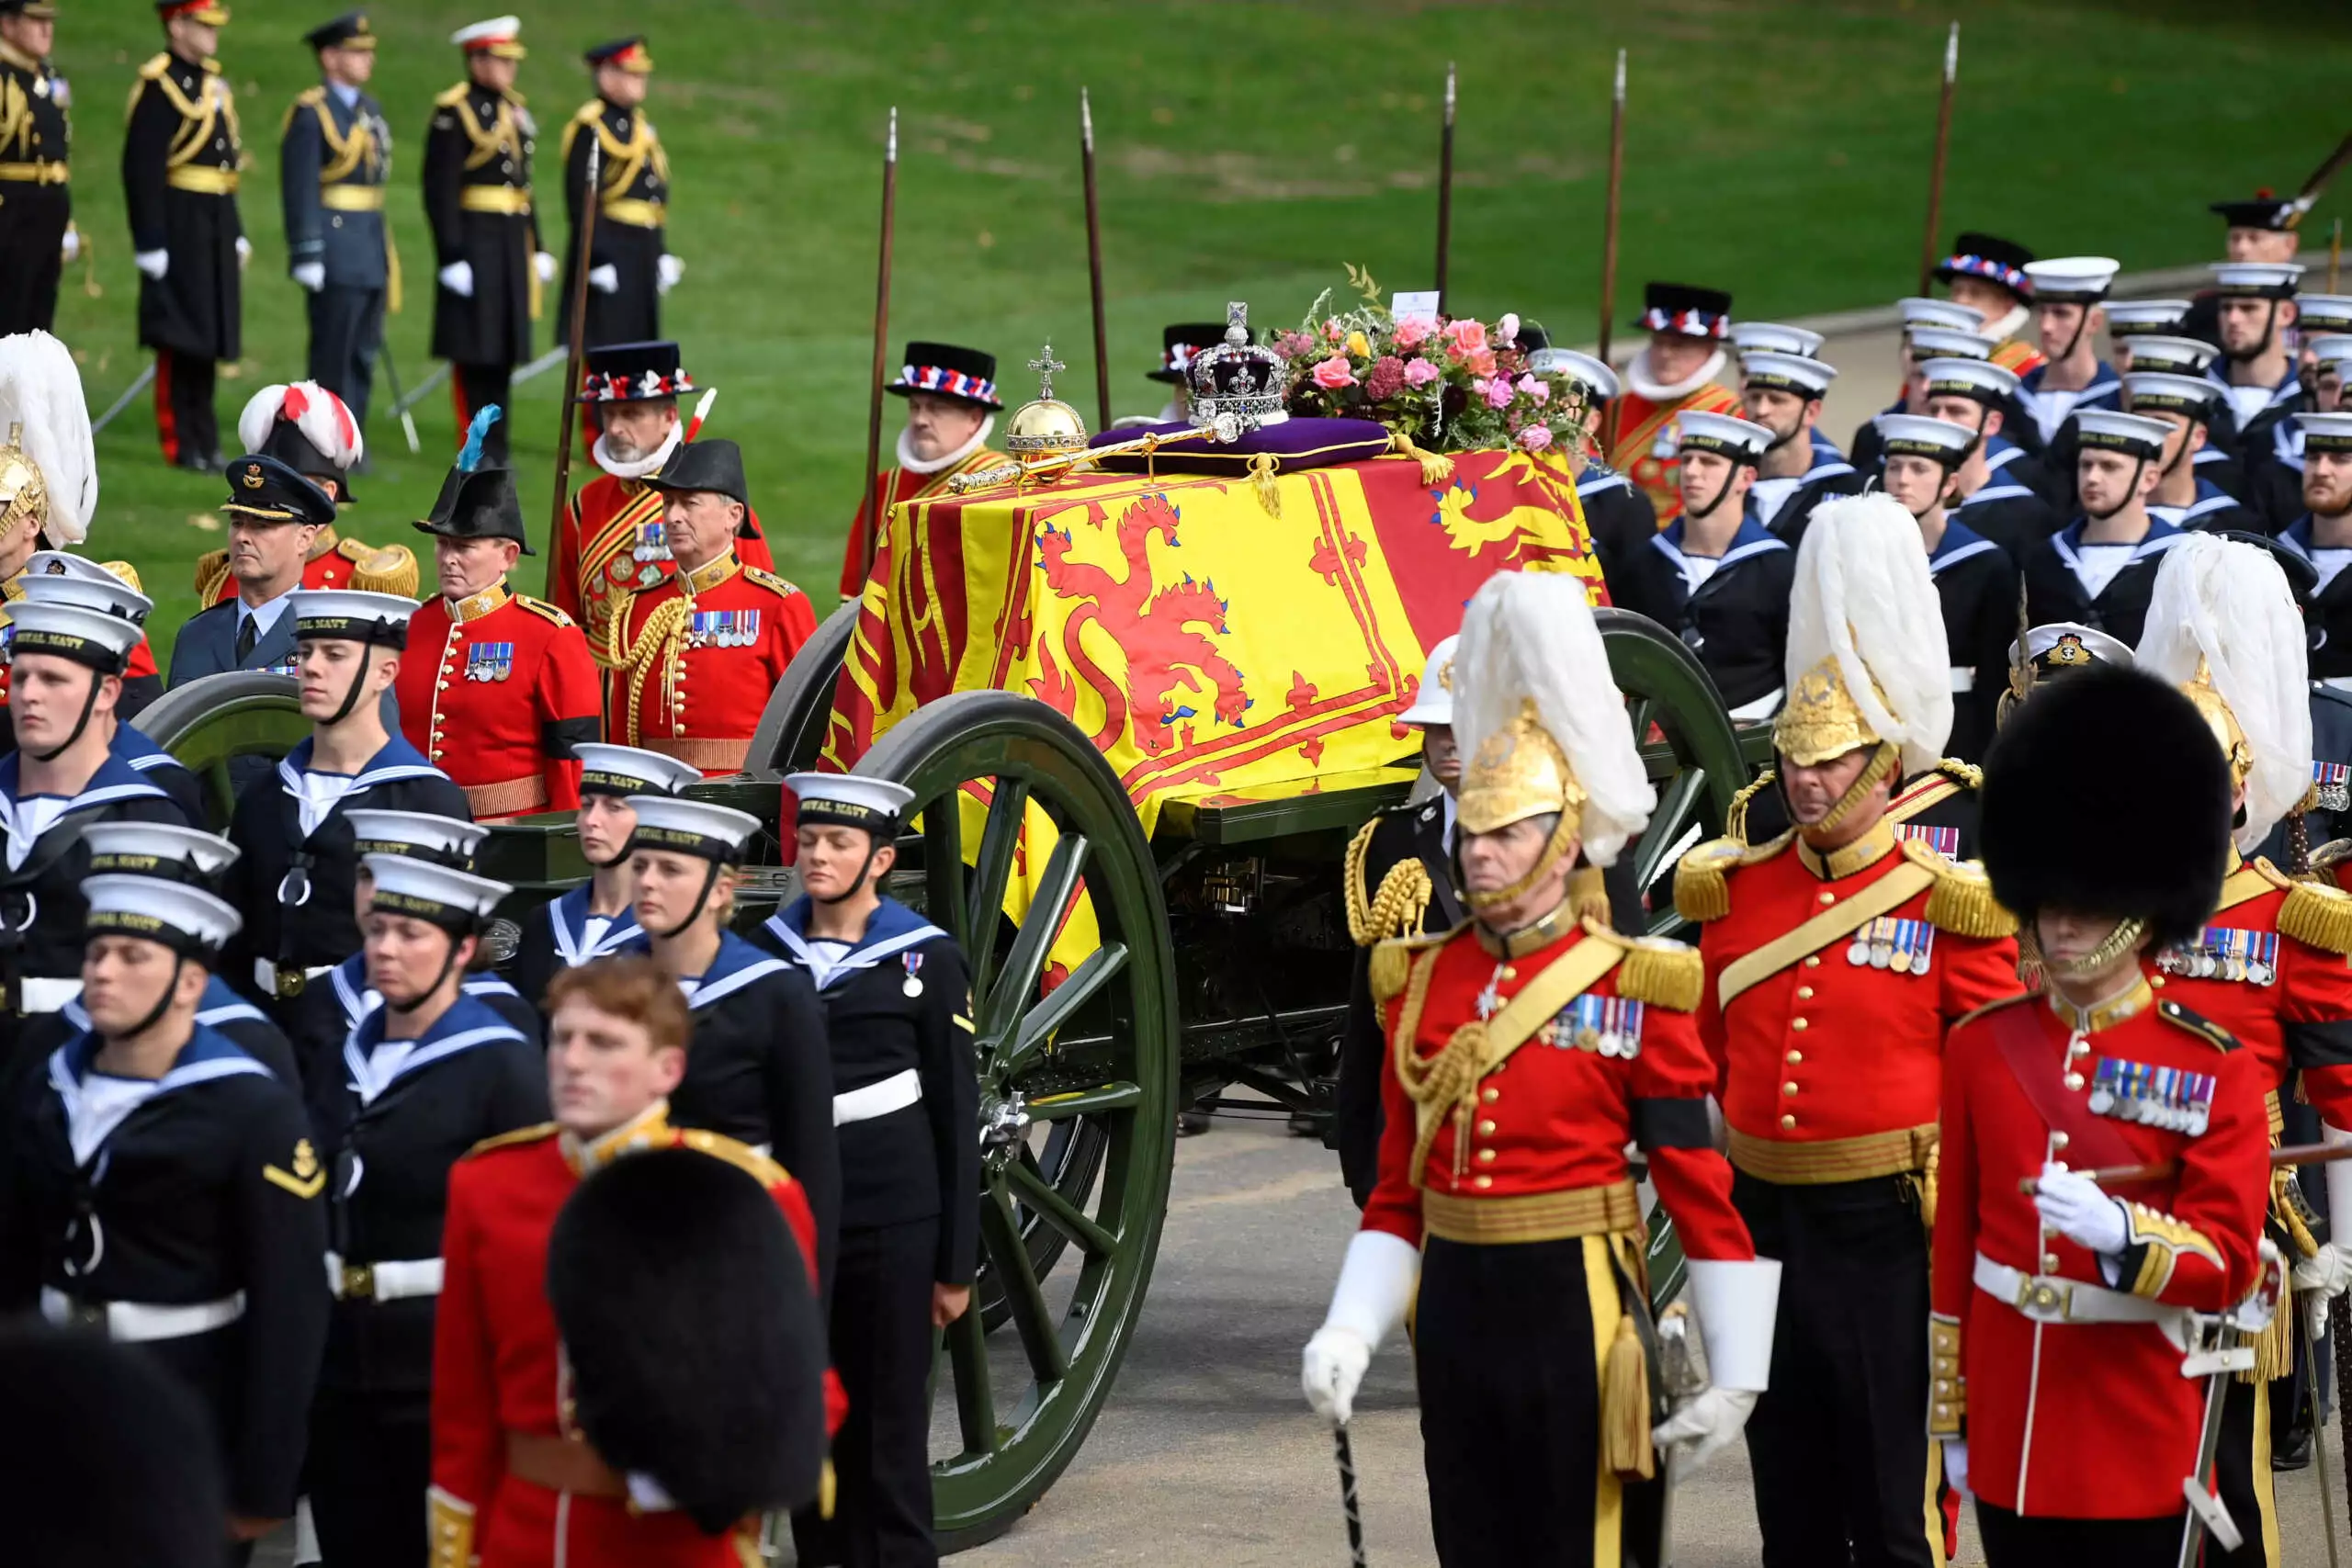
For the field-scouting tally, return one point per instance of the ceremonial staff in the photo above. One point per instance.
(2291, 1156)
(2308, 198)
(1349, 1506)
(873, 490)
(1609, 236)
(577, 363)
(1094, 264)
(1929, 252)
(1445, 190)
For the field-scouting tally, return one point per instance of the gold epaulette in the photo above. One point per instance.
(1700, 891)
(2034, 994)
(122, 572)
(1937, 785)
(211, 574)
(742, 1156)
(391, 569)
(1403, 898)
(2204, 1028)
(542, 609)
(532, 1135)
(308, 98)
(1392, 960)
(2327, 861)
(454, 96)
(1654, 970)
(2317, 914)
(1961, 901)
(1736, 820)
(771, 582)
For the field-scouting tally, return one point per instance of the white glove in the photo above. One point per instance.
(1956, 1465)
(1375, 1284)
(311, 275)
(2073, 1205)
(1706, 1424)
(605, 279)
(155, 264)
(458, 277)
(245, 252)
(2327, 1275)
(70, 250)
(1332, 1370)
(547, 267)
(667, 271)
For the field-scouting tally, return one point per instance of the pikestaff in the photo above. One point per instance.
(876, 491)
(1094, 264)
(1929, 252)
(576, 362)
(1445, 189)
(2308, 198)
(1609, 236)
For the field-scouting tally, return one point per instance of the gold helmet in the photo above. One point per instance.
(23, 492)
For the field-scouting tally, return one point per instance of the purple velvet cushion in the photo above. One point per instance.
(1295, 444)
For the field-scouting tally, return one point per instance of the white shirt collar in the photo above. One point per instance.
(265, 615)
(914, 465)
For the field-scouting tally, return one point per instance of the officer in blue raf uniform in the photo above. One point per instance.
(898, 1014)
(335, 159)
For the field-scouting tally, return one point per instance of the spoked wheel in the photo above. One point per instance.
(1066, 1155)
(791, 730)
(1097, 1053)
(244, 712)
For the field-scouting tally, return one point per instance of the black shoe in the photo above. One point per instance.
(196, 463)
(2292, 1449)
(1192, 1124)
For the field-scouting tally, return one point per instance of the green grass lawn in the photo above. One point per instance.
(1248, 148)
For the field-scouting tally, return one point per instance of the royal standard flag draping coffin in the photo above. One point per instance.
(1204, 642)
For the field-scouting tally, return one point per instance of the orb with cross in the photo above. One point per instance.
(1045, 426)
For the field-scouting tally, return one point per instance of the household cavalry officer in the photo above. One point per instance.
(898, 1015)
(491, 265)
(1529, 1050)
(630, 266)
(2100, 569)
(497, 687)
(1616, 512)
(596, 918)
(1837, 956)
(1674, 374)
(180, 157)
(951, 406)
(312, 430)
(2269, 962)
(2061, 1319)
(37, 232)
(334, 163)
(422, 1080)
(297, 868)
(1398, 882)
(1991, 495)
(695, 658)
(1783, 392)
(162, 1188)
(2185, 496)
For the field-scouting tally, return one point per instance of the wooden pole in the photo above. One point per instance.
(875, 491)
(1609, 239)
(2334, 255)
(1446, 191)
(574, 363)
(1094, 264)
(2291, 1156)
(1930, 252)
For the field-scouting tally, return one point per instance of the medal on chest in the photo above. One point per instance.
(490, 660)
(2332, 783)
(724, 628)
(1945, 841)
(2224, 953)
(650, 549)
(1668, 440)
(2171, 1098)
(1904, 946)
(1606, 1026)
(914, 962)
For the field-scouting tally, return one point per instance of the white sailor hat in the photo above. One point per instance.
(2166, 394)
(2325, 432)
(691, 828)
(2256, 280)
(446, 840)
(71, 631)
(1950, 343)
(1726, 436)
(1982, 380)
(2057, 646)
(2331, 351)
(501, 36)
(2073, 280)
(346, 614)
(1581, 369)
(64, 578)
(1786, 373)
(1433, 700)
(1772, 337)
(1951, 314)
(2323, 312)
(2130, 318)
(162, 849)
(457, 900)
(849, 800)
(2173, 355)
(607, 769)
(2108, 430)
(191, 922)
(1916, 435)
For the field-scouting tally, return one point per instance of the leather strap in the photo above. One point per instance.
(2092, 1141)
(1906, 882)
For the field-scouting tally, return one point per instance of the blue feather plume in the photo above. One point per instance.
(470, 458)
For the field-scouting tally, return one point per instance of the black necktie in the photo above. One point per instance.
(247, 624)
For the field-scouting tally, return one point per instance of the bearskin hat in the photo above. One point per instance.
(2106, 794)
(696, 1347)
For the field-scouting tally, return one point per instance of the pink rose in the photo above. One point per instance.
(1420, 373)
(1481, 362)
(1464, 338)
(1331, 329)
(1497, 393)
(1535, 389)
(1535, 437)
(1412, 332)
(1333, 373)
(1508, 328)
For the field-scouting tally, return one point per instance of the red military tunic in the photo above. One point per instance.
(1828, 1058)
(333, 562)
(903, 485)
(2066, 1418)
(492, 688)
(695, 658)
(498, 1378)
(610, 545)
(1647, 439)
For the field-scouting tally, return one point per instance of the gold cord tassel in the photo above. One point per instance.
(1625, 1406)
(1588, 894)
(1961, 901)
(2319, 915)
(1667, 976)
(1736, 820)
(1263, 468)
(1391, 961)
(1436, 468)
(664, 630)
(1701, 892)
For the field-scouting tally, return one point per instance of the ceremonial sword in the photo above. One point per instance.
(1347, 1503)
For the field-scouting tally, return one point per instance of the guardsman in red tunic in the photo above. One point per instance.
(312, 430)
(515, 1483)
(1838, 957)
(1528, 1049)
(2061, 1318)
(951, 408)
(497, 687)
(695, 658)
(1674, 373)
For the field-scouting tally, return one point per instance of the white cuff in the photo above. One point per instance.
(1737, 1303)
(1375, 1285)
(2339, 1189)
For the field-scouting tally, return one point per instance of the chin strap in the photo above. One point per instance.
(857, 883)
(2178, 457)
(2123, 939)
(1702, 513)
(2130, 490)
(89, 701)
(163, 1003)
(1881, 767)
(351, 697)
(1562, 834)
(2073, 343)
(448, 961)
(2269, 332)
(709, 881)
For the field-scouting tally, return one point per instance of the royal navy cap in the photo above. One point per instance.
(2166, 394)
(431, 891)
(1979, 379)
(348, 614)
(2323, 312)
(1599, 381)
(1918, 310)
(157, 848)
(691, 827)
(2325, 432)
(93, 637)
(2130, 318)
(1743, 441)
(850, 800)
(52, 577)
(2331, 351)
(418, 834)
(1916, 435)
(501, 36)
(2066, 646)
(1948, 342)
(2073, 280)
(1786, 373)
(182, 916)
(607, 769)
(2256, 280)
(1434, 699)
(2112, 431)
(2173, 355)
(1772, 337)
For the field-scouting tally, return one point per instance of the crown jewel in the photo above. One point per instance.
(1236, 386)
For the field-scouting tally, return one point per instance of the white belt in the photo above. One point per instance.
(2047, 1300)
(894, 1093)
(37, 994)
(266, 975)
(132, 1322)
(383, 1281)
(1963, 678)
(1762, 707)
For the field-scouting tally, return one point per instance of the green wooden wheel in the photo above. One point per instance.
(244, 712)
(791, 730)
(1097, 1053)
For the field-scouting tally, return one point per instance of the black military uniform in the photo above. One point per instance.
(1824, 481)
(1617, 514)
(180, 155)
(478, 197)
(1735, 620)
(633, 196)
(2004, 510)
(334, 160)
(898, 1012)
(391, 1120)
(36, 195)
(2106, 587)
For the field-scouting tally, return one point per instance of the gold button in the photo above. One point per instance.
(2049, 1262)
(1812, 963)
(1829, 897)
(1510, 973)
(441, 687)
(1804, 993)
(2079, 1048)
(1790, 1089)
(1799, 1023)
(1482, 1182)
(1788, 1124)
(1485, 1129)
(1486, 1157)
(2059, 1140)
(1795, 1056)
(2073, 1080)
(1491, 1095)
(1943, 1385)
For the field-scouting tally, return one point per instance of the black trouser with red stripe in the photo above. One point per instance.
(474, 387)
(185, 421)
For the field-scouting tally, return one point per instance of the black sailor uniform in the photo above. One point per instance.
(561, 934)
(1733, 615)
(2059, 578)
(1977, 586)
(320, 1019)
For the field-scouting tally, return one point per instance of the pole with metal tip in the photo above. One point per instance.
(875, 493)
(1349, 1505)
(1609, 238)
(2319, 1428)
(145, 378)
(1094, 264)
(576, 360)
(1929, 252)
(399, 401)
(1445, 190)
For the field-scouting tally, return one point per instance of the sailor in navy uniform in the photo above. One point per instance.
(2100, 569)
(1783, 392)
(160, 1185)
(2184, 497)
(2128, 321)
(1975, 583)
(595, 918)
(2217, 462)
(295, 879)
(1716, 577)
(899, 1010)
(1931, 329)
(2067, 294)
(1989, 496)
(758, 1072)
(422, 1080)
(2260, 376)
(1617, 515)
(54, 577)
(2322, 539)
(1800, 343)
